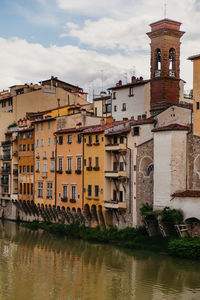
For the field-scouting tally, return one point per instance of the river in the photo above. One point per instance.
(35, 265)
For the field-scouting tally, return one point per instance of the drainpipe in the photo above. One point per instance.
(55, 195)
(83, 159)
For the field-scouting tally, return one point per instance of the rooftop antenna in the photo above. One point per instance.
(165, 9)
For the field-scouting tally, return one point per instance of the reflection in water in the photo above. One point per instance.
(37, 266)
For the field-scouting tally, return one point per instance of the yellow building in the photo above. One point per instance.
(26, 164)
(69, 168)
(196, 93)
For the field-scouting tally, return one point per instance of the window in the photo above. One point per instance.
(89, 161)
(95, 111)
(197, 104)
(69, 139)
(20, 169)
(69, 163)
(42, 126)
(89, 190)
(136, 131)
(37, 166)
(79, 163)
(31, 188)
(32, 147)
(52, 165)
(73, 192)
(24, 147)
(115, 139)
(121, 166)
(45, 166)
(40, 189)
(121, 139)
(52, 155)
(24, 169)
(32, 169)
(114, 95)
(42, 142)
(49, 141)
(131, 92)
(37, 143)
(28, 169)
(60, 163)
(65, 191)
(28, 147)
(4, 103)
(158, 62)
(24, 136)
(28, 188)
(96, 191)
(24, 188)
(79, 138)
(45, 155)
(121, 196)
(49, 124)
(49, 190)
(114, 195)
(20, 188)
(97, 139)
(96, 161)
(60, 140)
(123, 106)
(20, 147)
(37, 127)
(90, 140)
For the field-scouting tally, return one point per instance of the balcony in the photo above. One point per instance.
(15, 172)
(6, 157)
(116, 147)
(5, 171)
(115, 205)
(115, 174)
(44, 174)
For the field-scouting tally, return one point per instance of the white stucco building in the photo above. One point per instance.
(131, 99)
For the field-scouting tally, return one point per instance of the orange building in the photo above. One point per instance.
(26, 164)
(69, 168)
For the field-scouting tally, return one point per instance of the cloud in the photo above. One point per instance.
(34, 62)
(106, 33)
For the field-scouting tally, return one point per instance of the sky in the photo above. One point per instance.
(88, 43)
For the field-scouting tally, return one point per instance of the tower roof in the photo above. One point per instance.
(164, 26)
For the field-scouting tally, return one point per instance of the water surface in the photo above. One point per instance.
(35, 265)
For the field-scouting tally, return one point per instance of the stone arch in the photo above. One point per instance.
(158, 59)
(73, 209)
(172, 58)
(197, 165)
(146, 166)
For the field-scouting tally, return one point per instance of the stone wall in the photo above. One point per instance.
(144, 177)
(193, 162)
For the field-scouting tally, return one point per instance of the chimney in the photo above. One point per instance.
(125, 119)
(133, 79)
(144, 117)
(139, 117)
(132, 118)
(141, 78)
(102, 121)
(119, 83)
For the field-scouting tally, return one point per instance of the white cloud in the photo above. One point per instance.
(27, 62)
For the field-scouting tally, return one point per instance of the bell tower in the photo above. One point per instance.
(165, 38)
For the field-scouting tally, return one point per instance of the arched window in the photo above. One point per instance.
(146, 166)
(172, 56)
(157, 62)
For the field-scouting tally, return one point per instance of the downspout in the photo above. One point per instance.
(83, 162)
(55, 169)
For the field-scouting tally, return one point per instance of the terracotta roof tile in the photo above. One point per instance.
(103, 127)
(188, 193)
(171, 127)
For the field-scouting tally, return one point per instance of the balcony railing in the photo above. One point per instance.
(116, 147)
(115, 174)
(6, 157)
(115, 205)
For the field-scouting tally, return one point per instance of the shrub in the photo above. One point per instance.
(146, 208)
(185, 248)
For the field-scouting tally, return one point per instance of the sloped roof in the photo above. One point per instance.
(174, 126)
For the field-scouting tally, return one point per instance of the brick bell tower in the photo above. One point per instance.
(165, 64)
